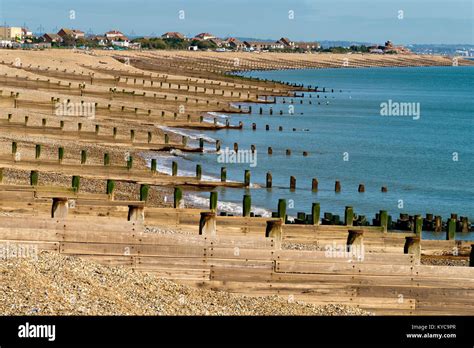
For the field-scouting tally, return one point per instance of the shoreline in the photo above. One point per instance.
(123, 212)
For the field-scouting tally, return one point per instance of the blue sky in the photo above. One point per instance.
(424, 21)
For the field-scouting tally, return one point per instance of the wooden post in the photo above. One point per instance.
(174, 168)
(274, 230)
(438, 226)
(292, 183)
(76, 179)
(136, 212)
(464, 222)
(361, 188)
(83, 156)
(207, 224)
(337, 186)
(106, 159)
(451, 229)
(198, 171)
(269, 180)
(153, 165)
(349, 216)
(315, 212)
(34, 178)
(59, 208)
(110, 188)
(178, 198)
(355, 244)
(247, 178)
(282, 209)
(314, 185)
(223, 174)
(129, 162)
(60, 154)
(246, 205)
(418, 225)
(384, 219)
(37, 151)
(213, 201)
(413, 246)
(144, 189)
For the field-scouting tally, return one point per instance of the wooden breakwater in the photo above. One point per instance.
(239, 254)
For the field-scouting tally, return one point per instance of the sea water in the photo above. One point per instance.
(424, 155)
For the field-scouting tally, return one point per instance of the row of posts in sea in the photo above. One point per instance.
(268, 179)
(270, 110)
(299, 86)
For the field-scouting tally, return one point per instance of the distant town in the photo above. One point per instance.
(23, 38)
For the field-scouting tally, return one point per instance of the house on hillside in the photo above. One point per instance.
(100, 40)
(115, 35)
(204, 36)
(52, 38)
(173, 35)
(263, 45)
(286, 42)
(376, 50)
(306, 46)
(390, 48)
(26, 33)
(235, 44)
(218, 42)
(117, 38)
(74, 33)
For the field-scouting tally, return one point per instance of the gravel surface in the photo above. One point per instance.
(55, 284)
(444, 260)
(302, 246)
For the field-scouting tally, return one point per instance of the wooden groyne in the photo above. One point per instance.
(241, 254)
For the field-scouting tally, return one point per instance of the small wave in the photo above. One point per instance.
(228, 207)
(216, 114)
(212, 121)
(187, 133)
